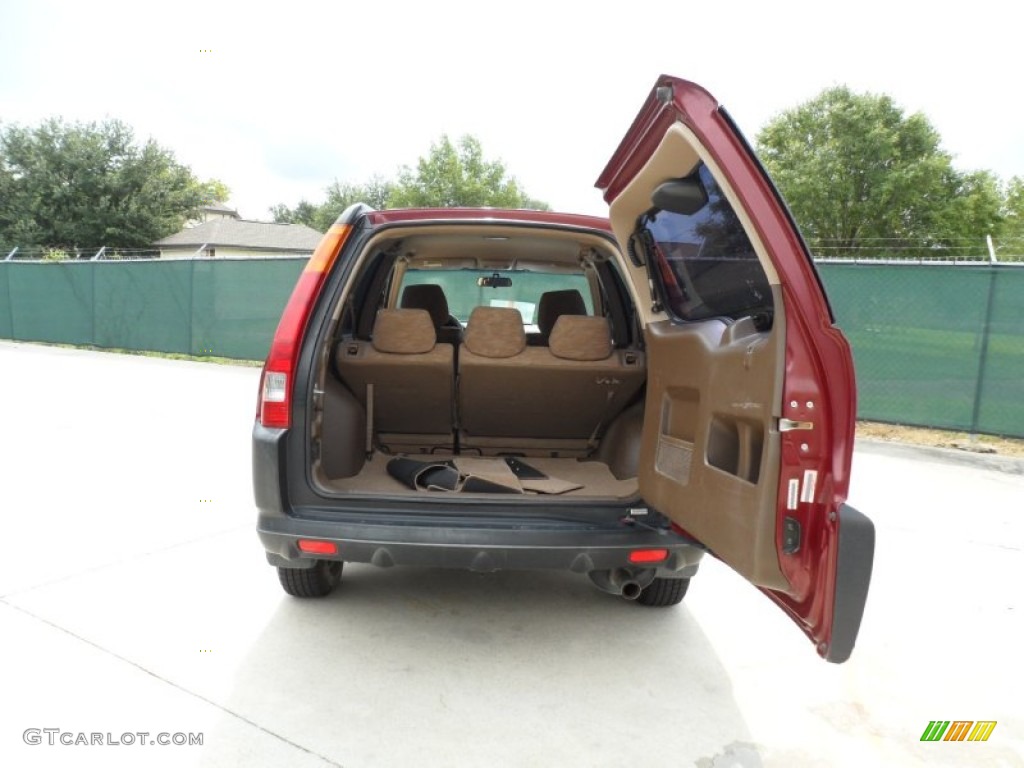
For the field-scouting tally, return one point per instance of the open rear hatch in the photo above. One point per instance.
(750, 399)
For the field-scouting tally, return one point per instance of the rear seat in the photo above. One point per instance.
(551, 400)
(431, 298)
(552, 305)
(404, 379)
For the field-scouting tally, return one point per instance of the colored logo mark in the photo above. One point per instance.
(958, 730)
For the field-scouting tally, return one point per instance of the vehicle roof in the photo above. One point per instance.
(402, 215)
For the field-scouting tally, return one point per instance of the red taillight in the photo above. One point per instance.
(314, 547)
(648, 555)
(276, 383)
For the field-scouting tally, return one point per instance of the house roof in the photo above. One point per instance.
(219, 207)
(240, 233)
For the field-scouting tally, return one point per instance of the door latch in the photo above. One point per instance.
(788, 425)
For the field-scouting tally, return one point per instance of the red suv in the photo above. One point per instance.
(495, 389)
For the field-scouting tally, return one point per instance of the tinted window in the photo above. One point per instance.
(463, 293)
(705, 261)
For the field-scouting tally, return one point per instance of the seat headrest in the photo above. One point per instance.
(428, 297)
(495, 332)
(581, 338)
(554, 304)
(403, 331)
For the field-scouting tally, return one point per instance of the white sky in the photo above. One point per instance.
(296, 94)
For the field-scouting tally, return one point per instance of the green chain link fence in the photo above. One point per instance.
(934, 345)
(197, 307)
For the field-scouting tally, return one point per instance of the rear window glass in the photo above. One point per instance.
(705, 261)
(464, 294)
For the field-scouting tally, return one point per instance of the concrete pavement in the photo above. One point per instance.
(134, 599)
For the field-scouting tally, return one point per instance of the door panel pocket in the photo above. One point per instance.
(674, 458)
(678, 426)
(735, 446)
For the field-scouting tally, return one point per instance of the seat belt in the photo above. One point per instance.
(592, 440)
(369, 420)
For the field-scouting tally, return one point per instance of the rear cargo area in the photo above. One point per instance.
(562, 477)
(475, 360)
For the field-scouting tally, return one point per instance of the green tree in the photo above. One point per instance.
(1010, 238)
(448, 176)
(340, 196)
(976, 209)
(304, 213)
(858, 173)
(458, 175)
(89, 184)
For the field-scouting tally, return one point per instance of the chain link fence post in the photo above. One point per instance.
(986, 330)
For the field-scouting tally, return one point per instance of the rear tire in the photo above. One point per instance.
(318, 581)
(664, 592)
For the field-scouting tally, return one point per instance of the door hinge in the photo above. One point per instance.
(788, 425)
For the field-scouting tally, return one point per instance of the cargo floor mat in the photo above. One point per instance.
(475, 475)
(536, 476)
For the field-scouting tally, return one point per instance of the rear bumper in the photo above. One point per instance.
(478, 537)
(475, 548)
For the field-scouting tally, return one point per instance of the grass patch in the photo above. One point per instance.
(938, 438)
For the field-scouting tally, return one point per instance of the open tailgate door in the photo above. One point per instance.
(751, 399)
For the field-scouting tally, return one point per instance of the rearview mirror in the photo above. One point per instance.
(494, 281)
(682, 196)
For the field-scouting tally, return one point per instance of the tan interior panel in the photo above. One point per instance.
(710, 452)
(343, 421)
(679, 413)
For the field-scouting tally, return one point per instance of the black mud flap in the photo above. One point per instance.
(853, 576)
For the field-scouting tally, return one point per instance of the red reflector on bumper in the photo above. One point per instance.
(313, 547)
(648, 555)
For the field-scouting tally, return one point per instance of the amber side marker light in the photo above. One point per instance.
(314, 547)
(648, 555)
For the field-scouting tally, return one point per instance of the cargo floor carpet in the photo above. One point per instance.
(594, 477)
